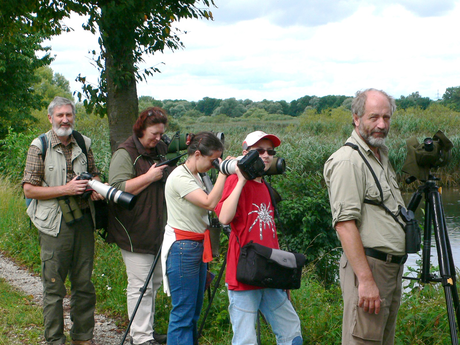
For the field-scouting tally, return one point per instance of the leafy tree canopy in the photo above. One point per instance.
(451, 98)
(24, 25)
(413, 100)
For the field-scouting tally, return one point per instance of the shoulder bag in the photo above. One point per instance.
(266, 267)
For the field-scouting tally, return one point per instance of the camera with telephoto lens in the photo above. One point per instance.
(127, 200)
(277, 167)
(250, 165)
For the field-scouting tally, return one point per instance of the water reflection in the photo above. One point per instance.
(451, 203)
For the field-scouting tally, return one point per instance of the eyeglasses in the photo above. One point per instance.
(261, 151)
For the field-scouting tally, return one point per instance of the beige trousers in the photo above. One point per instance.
(359, 327)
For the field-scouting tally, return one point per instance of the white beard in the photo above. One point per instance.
(63, 132)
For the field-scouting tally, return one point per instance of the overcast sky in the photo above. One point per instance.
(284, 50)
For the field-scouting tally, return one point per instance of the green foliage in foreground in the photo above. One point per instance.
(307, 141)
(20, 318)
(422, 317)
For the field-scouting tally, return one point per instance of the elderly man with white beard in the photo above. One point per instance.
(368, 222)
(65, 220)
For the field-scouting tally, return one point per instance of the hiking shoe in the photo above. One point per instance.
(83, 342)
(160, 338)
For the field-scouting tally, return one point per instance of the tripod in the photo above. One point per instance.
(212, 294)
(142, 290)
(435, 222)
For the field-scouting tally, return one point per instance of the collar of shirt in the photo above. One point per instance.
(56, 141)
(365, 147)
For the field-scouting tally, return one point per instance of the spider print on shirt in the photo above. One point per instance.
(264, 217)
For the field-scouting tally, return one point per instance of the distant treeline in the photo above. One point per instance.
(238, 108)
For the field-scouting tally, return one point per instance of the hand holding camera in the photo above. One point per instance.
(127, 200)
(76, 186)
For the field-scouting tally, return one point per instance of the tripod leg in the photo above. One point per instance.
(445, 262)
(451, 265)
(454, 278)
(216, 286)
(259, 340)
(142, 290)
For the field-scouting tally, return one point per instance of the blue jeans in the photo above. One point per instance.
(274, 305)
(187, 277)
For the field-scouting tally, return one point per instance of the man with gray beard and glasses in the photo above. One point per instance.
(65, 220)
(365, 205)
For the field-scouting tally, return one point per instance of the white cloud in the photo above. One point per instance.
(285, 50)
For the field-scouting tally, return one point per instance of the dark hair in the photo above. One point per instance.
(205, 142)
(148, 117)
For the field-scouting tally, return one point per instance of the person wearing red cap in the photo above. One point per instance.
(247, 207)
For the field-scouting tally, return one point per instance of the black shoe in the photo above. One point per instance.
(160, 338)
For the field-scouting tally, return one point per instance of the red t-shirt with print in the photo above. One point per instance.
(254, 221)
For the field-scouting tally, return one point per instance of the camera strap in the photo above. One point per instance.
(372, 202)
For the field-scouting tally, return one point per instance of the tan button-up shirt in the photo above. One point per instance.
(349, 182)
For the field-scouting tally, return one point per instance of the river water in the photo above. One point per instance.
(451, 202)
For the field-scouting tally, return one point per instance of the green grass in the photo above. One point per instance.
(20, 318)
(422, 318)
(307, 141)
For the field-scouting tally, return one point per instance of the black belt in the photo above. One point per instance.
(377, 254)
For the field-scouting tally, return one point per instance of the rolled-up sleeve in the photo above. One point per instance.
(34, 170)
(346, 189)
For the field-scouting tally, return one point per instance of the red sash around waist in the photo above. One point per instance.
(194, 236)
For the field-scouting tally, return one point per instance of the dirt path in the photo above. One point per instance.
(105, 333)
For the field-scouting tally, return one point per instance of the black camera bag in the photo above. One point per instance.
(261, 266)
(266, 267)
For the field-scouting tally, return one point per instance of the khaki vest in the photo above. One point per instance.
(46, 214)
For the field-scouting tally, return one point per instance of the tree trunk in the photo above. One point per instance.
(122, 106)
(119, 44)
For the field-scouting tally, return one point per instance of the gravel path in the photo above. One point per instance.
(105, 332)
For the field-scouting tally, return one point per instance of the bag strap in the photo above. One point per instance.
(81, 142)
(372, 202)
(44, 141)
(276, 197)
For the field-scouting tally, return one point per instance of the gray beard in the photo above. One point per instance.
(62, 132)
(372, 141)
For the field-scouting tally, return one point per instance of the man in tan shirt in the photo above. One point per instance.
(373, 240)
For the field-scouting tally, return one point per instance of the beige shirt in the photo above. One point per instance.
(182, 214)
(349, 182)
